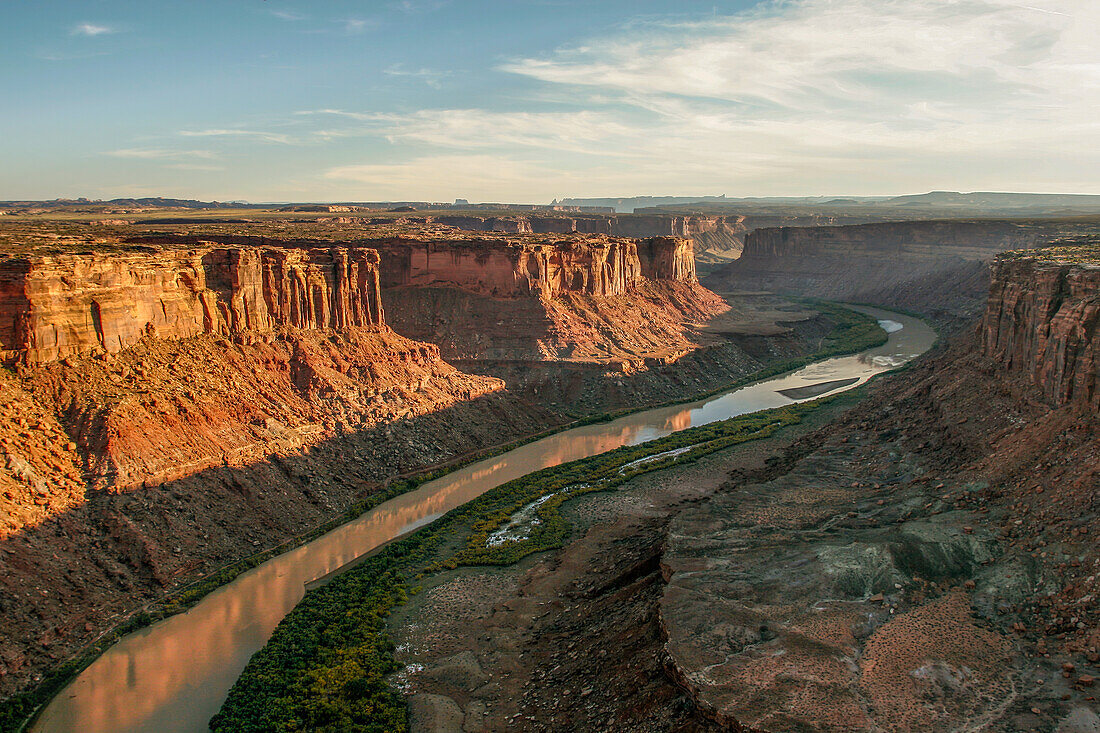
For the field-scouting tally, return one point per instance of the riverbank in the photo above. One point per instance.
(570, 639)
(327, 662)
(851, 332)
(897, 566)
(334, 631)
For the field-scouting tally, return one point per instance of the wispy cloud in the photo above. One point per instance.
(578, 132)
(439, 177)
(418, 6)
(92, 29)
(196, 167)
(353, 26)
(271, 137)
(854, 89)
(287, 15)
(160, 154)
(431, 77)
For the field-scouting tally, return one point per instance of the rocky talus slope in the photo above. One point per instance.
(927, 562)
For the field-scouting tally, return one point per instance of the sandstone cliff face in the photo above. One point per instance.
(508, 269)
(667, 258)
(54, 307)
(1041, 321)
(899, 264)
(510, 224)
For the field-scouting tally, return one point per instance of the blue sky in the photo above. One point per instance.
(537, 99)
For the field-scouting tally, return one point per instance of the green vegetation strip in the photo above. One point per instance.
(852, 332)
(325, 665)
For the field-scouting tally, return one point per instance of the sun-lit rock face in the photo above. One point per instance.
(1042, 320)
(667, 258)
(57, 306)
(506, 268)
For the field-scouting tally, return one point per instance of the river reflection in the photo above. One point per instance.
(174, 675)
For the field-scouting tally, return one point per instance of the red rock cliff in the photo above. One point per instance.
(1042, 320)
(667, 258)
(58, 306)
(511, 268)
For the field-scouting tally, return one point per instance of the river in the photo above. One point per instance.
(174, 675)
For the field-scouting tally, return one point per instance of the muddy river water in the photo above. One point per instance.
(174, 675)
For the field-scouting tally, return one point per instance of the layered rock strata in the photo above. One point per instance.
(599, 267)
(175, 409)
(928, 266)
(54, 307)
(1041, 321)
(549, 317)
(716, 238)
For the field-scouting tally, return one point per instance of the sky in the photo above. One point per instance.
(531, 100)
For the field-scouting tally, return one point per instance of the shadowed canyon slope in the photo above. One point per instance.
(178, 401)
(921, 559)
(930, 567)
(935, 267)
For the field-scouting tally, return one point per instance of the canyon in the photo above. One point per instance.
(715, 238)
(180, 396)
(175, 401)
(939, 268)
(920, 558)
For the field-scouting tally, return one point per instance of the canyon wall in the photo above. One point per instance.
(716, 238)
(585, 299)
(59, 306)
(667, 258)
(508, 269)
(1041, 322)
(928, 266)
